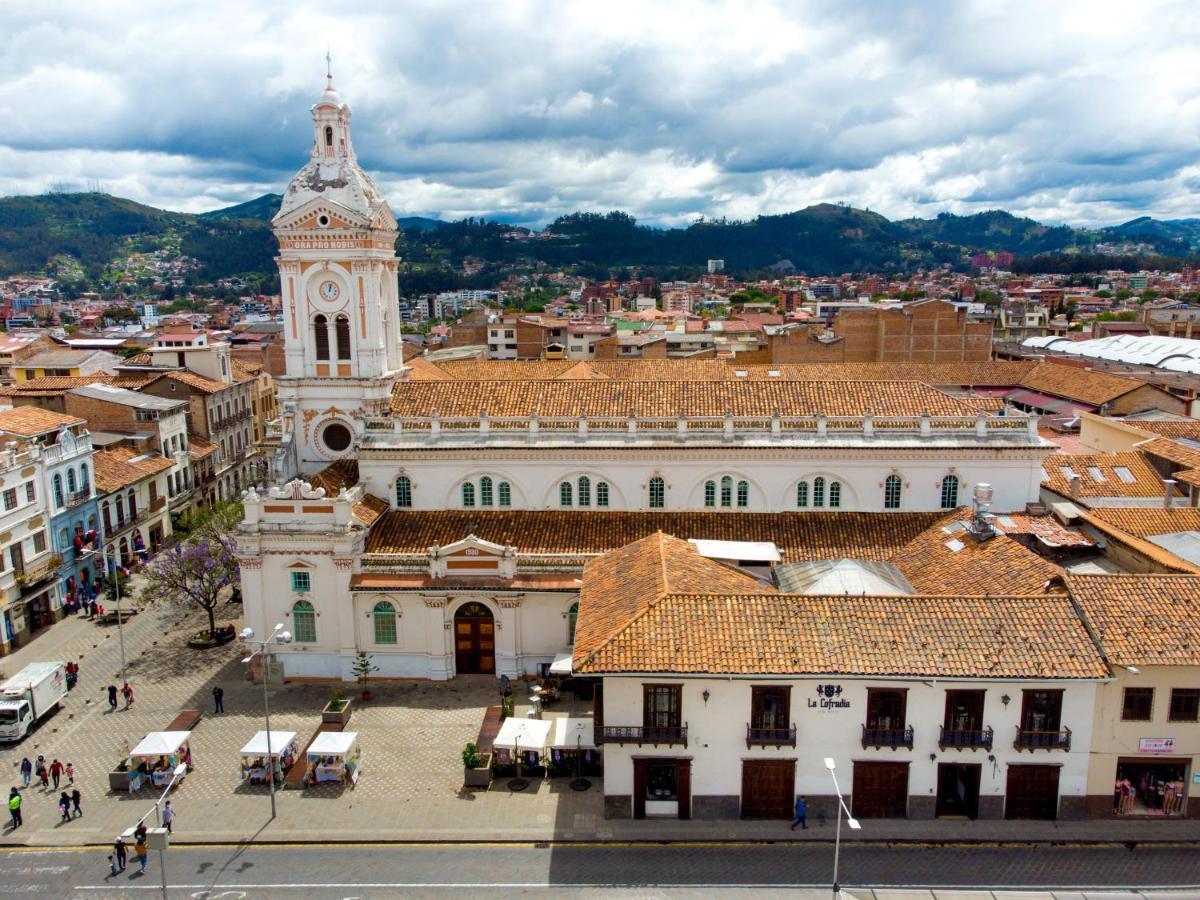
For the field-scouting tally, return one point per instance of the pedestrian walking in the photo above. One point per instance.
(112, 696)
(127, 693)
(26, 770)
(168, 816)
(76, 799)
(120, 852)
(70, 773)
(56, 771)
(64, 807)
(43, 773)
(139, 850)
(14, 807)
(801, 814)
(218, 699)
(112, 865)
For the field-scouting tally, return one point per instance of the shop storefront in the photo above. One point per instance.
(1150, 787)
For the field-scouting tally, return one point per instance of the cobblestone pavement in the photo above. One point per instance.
(1064, 873)
(411, 734)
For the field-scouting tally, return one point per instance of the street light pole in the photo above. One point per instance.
(114, 574)
(850, 820)
(180, 771)
(278, 636)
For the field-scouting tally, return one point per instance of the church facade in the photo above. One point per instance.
(388, 476)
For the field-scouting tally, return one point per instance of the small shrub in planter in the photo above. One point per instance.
(337, 709)
(477, 767)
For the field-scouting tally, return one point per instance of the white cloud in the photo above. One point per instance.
(1077, 111)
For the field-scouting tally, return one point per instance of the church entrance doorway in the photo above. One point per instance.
(474, 640)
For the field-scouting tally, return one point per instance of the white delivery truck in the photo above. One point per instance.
(29, 695)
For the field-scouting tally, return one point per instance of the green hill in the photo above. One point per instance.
(262, 208)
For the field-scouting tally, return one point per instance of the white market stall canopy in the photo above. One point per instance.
(571, 733)
(523, 734)
(161, 743)
(279, 742)
(562, 662)
(332, 743)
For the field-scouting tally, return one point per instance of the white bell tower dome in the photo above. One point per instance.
(338, 277)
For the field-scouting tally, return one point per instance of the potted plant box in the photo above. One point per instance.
(336, 710)
(477, 768)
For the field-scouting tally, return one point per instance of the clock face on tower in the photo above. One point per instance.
(328, 291)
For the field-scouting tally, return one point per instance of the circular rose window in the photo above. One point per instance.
(336, 437)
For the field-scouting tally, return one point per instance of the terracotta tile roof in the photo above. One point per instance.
(410, 350)
(245, 371)
(421, 369)
(523, 581)
(120, 467)
(1147, 521)
(1168, 448)
(1188, 476)
(959, 636)
(198, 448)
(1045, 529)
(55, 384)
(1148, 620)
(944, 560)
(1098, 476)
(1171, 428)
(799, 535)
(670, 398)
(134, 381)
(140, 359)
(28, 421)
(504, 370)
(343, 472)
(1073, 383)
(369, 508)
(997, 373)
(196, 382)
(622, 584)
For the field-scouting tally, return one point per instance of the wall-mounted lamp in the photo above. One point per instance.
(1005, 699)
(932, 757)
(705, 695)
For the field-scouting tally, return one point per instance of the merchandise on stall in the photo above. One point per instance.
(255, 755)
(333, 756)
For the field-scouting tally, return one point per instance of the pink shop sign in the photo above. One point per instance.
(1156, 745)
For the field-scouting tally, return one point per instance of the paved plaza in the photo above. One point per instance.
(411, 734)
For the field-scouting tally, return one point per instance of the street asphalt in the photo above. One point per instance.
(228, 872)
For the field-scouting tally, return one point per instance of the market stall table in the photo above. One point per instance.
(157, 755)
(574, 741)
(333, 756)
(255, 754)
(524, 736)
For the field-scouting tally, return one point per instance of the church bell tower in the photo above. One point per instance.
(338, 278)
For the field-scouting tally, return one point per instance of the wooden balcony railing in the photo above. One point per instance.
(639, 734)
(1042, 740)
(770, 737)
(964, 739)
(887, 737)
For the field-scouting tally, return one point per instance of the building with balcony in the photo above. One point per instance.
(720, 696)
(28, 563)
(67, 492)
(134, 515)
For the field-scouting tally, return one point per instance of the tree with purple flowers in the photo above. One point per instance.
(194, 573)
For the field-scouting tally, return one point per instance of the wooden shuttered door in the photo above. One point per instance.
(880, 790)
(768, 788)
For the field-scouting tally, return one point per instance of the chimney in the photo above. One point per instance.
(1168, 492)
(1074, 481)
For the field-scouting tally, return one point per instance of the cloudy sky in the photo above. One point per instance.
(1079, 112)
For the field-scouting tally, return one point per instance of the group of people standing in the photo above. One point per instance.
(68, 802)
(46, 773)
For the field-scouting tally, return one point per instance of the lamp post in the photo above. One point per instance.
(278, 636)
(179, 772)
(850, 820)
(114, 572)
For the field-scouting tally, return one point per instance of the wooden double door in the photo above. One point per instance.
(768, 788)
(474, 640)
(1032, 792)
(880, 790)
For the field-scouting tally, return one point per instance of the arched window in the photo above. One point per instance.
(658, 493)
(328, 136)
(342, 327)
(304, 622)
(58, 490)
(564, 493)
(726, 491)
(835, 494)
(602, 493)
(802, 494)
(131, 502)
(818, 491)
(321, 337)
(585, 491)
(710, 493)
(403, 491)
(743, 494)
(485, 491)
(468, 494)
(505, 492)
(572, 618)
(891, 492)
(71, 488)
(383, 616)
(950, 492)
(84, 483)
